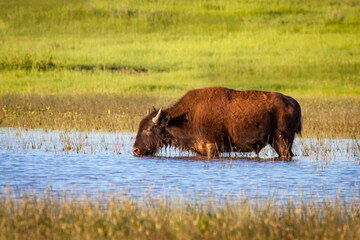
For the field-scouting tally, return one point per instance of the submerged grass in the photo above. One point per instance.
(319, 151)
(163, 217)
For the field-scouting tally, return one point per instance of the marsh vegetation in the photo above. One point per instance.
(57, 184)
(98, 65)
(44, 217)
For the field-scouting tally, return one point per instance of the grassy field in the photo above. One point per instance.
(298, 47)
(120, 217)
(98, 57)
(99, 64)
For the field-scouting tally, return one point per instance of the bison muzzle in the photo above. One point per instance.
(213, 120)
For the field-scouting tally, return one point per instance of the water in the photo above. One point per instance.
(102, 162)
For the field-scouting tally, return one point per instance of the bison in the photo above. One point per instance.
(214, 120)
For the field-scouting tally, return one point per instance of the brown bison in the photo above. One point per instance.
(213, 120)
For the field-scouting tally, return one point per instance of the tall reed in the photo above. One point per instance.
(118, 216)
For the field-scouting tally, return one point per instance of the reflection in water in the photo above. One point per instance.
(93, 162)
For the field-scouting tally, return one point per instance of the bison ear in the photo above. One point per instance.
(167, 120)
(157, 117)
(148, 111)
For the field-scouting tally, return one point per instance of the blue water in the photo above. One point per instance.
(36, 160)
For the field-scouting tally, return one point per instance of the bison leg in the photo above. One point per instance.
(211, 150)
(283, 145)
(207, 149)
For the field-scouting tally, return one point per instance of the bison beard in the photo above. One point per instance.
(213, 120)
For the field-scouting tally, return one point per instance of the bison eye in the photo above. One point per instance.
(147, 131)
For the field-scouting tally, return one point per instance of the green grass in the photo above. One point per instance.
(86, 65)
(126, 56)
(297, 47)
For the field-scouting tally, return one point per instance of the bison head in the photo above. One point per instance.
(151, 134)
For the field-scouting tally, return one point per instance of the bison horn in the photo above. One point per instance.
(148, 111)
(157, 117)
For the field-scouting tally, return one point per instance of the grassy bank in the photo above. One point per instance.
(45, 217)
(322, 117)
(99, 57)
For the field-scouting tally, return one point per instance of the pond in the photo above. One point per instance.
(93, 162)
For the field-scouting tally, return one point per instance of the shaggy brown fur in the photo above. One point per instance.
(213, 120)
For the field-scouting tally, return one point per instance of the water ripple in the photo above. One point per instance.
(34, 160)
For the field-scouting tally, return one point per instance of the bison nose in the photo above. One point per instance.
(136, 150)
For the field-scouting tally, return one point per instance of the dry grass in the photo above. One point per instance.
(120, 217)
(80, 112)
(322, 117)
(331, 117)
